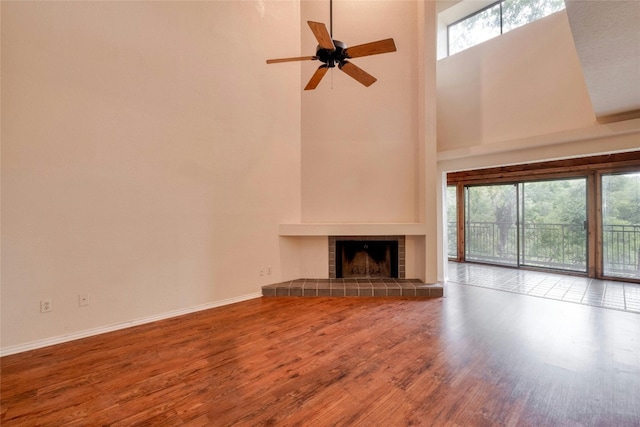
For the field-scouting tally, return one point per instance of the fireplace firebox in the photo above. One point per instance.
(366, 257)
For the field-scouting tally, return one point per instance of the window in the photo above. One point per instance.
(452, 224)
(496, 19)
(621, 225)
(554, 224)
(579, 215)
(535, 224)
(491, 224)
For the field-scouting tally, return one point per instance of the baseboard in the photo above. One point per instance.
(110, 328)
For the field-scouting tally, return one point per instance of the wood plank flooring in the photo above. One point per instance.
(477, 357)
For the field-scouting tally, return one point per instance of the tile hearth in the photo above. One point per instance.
(353, 288)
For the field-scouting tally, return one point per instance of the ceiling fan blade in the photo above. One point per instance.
(357, 73)
(322, 35)
(299, 58)
(317, 76)
(373, 48)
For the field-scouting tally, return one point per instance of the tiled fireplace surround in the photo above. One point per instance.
(356, 287)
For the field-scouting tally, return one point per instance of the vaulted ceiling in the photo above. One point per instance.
(606, 34)
(607, 38)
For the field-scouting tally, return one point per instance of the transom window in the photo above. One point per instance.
(496, 19)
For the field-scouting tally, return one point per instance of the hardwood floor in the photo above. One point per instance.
(478, 357)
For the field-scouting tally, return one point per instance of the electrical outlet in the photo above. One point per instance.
(268, 269)
(83, 299)
(46, 306)
(262, 270)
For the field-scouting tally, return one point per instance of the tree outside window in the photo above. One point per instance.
(496, 19)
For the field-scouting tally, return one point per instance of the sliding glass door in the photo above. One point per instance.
(574, 215)
(554, 224)
(621, 225)
(452, 223)
(491, 224)
(537, 224)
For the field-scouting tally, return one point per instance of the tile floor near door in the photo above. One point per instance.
(581, 290)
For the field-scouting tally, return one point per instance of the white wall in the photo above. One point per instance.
(148, 156)
(365, 150)
(518, 98)
(149, 153)
(359, 144)
(524, 83)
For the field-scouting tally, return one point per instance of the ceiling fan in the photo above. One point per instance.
(334, 52)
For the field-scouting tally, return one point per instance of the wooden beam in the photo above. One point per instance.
(558, 168)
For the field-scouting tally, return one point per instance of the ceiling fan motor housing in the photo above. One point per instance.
(331, 57)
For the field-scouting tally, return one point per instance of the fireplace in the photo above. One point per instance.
(366, 257)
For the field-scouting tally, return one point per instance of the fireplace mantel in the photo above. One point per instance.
(352, 229)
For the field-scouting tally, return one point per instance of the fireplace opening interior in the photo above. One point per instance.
(366, 258)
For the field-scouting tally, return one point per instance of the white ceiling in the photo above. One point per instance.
(607, 38)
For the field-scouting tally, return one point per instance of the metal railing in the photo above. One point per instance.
(491, 242)
(621, 250)
(452, 239)
(560, 246)
(554, 246)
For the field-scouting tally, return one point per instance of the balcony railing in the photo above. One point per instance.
(554, 246)
(621, 250)
(492, 242)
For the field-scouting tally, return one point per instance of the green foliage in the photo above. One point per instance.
(552, 215)
(621, 199)
(621, 224)
(496, 206)
(492, 203)
(487, 24)
(475, 29)
(551, 224)
(516, 13)
(551, 202)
